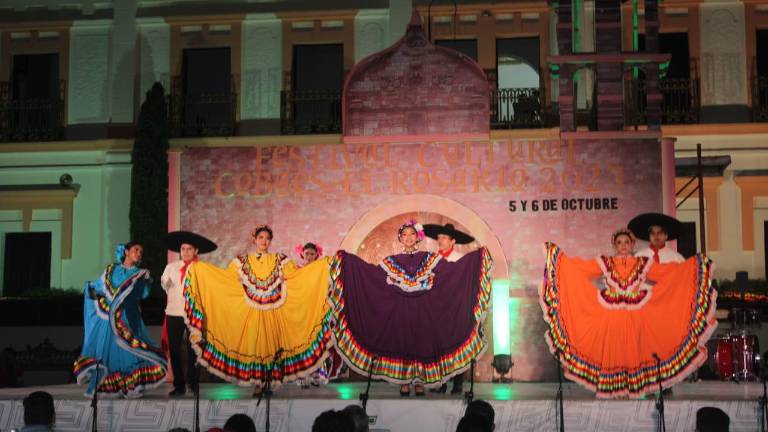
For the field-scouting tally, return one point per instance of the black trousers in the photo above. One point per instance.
(177, 344)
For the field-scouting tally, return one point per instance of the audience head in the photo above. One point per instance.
(483, 409)
(473, 423)
(333, 421)
(239, 423)
(38, 409)
(711, 419)
(358, 416)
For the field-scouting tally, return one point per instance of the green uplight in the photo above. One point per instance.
(575, 9)
(500, 309)
(346, 391)
(225, 392)
(502, 392)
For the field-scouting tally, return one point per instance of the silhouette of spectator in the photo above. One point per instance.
(483, 409)
(473, 423)
(358, 416)
(39, 413)
(239, 423)
(333, 421)
(711, 419)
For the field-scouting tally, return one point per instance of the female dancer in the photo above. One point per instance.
(261, 317)
(414, 318)
(625, 337)
(118, 356)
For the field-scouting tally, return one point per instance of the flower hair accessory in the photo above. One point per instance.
(299, 249)
(262, 227)
(412, 224)
(620, 232)
(120, 253)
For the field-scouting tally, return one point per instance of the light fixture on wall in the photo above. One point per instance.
(65, 180)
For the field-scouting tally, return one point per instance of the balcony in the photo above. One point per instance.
(680, 103)
(31, 119)
(520, 108)
(201, 114)
(310, 111)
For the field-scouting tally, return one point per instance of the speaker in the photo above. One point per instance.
(742, 278)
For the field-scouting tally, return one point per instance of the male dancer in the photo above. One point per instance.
(447, 237)
(189, 245)
(657, 228)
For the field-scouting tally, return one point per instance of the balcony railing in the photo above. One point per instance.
(201, 114)
(760, 99)
(310, 111)
(518, 108)
(680, 102)
(31, 119)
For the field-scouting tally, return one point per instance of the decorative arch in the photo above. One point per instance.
(401, 204)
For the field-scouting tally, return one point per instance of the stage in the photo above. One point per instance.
(519, 407)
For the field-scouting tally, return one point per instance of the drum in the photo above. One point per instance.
(737, 357)
(723, 357)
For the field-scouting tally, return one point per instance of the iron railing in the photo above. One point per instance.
(760, 98)
(310, 111)
(680, 103)
(32, 119)
(513, 108)
(201, 114)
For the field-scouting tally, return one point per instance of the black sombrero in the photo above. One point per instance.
(174, 240)
(432, 231)
(641, 224)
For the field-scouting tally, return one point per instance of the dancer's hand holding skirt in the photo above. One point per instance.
(259, 309)
(607, 335)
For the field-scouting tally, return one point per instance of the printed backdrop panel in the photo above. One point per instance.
(512, 195)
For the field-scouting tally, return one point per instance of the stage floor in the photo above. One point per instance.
(519, 407)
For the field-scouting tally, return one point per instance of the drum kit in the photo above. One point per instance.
(735, 355)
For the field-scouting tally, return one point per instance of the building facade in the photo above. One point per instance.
(73, 76)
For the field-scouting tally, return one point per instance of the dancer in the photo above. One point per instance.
(414, 318)
(260, 314)
(116, 346)
(657, 229)
(188, 245)
(332, 367)
(621, 338)
(447, 237)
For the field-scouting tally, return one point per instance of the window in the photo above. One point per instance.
(761, 48)
(468, 47)
(518, 99)
(35, 110)
(517, 62)
(208, 99)
(315, 98)
(27, 265)
(677, 45)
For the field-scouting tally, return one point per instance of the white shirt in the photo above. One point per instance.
(453, 256)
(666, 255)
(171, 283)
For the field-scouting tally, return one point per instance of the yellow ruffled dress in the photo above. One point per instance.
(262, 313)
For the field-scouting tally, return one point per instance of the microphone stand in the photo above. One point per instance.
(267, 393)
(364, 396)
(560, 412)
(95, 399)
(469, 396)
(662, 427)
(196, 391)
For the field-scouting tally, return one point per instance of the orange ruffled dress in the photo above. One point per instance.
(607, 335)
